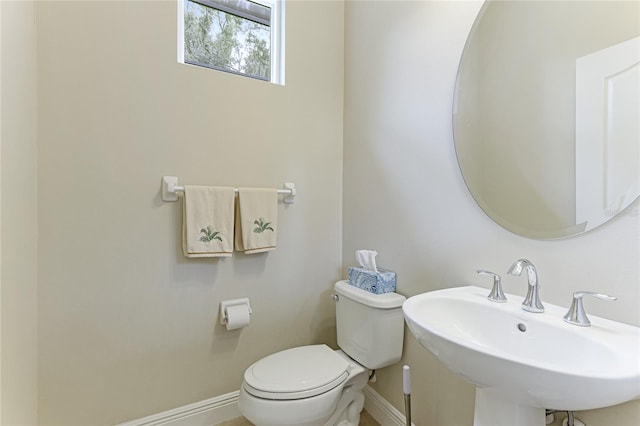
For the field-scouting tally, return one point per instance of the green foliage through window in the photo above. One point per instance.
(218, 39)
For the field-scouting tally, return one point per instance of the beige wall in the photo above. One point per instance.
(128, 326)
(18, 278)
(404, 196)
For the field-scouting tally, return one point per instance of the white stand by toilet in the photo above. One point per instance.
(316, 386)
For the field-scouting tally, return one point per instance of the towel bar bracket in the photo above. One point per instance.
(170, 190)
(289, 198)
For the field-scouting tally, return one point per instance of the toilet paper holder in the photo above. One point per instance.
(233, 302)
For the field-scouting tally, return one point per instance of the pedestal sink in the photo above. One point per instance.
(522, 362)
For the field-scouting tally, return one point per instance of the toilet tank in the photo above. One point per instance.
(370, 326)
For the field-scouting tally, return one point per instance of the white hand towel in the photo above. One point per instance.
(207, 225)
(256, 219)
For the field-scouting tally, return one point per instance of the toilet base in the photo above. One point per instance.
(351, 402)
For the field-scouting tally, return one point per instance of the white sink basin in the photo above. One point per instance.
(522, 362)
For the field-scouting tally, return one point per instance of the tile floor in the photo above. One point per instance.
(365, 420)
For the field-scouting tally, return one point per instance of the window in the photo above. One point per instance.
(238, 36)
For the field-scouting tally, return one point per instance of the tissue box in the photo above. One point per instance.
(374, 282)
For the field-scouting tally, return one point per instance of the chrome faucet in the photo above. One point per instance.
(577, 314)
(496, 295)
(532, 301)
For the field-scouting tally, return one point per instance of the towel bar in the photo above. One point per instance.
(171, 189)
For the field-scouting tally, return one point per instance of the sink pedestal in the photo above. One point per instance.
(494, 410)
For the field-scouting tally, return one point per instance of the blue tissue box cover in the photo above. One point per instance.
(374, 282)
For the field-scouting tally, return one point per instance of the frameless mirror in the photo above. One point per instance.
(546, 113)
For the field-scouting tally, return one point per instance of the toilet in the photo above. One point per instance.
(317, 386)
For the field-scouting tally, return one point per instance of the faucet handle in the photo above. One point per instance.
(496, 294)
(577, 314)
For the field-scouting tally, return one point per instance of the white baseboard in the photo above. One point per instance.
(381, 409)
(213, 411)
(209, 412)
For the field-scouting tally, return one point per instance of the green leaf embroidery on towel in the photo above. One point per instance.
(209, 234)
(262, 226)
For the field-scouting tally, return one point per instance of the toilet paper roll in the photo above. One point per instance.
(237, 316)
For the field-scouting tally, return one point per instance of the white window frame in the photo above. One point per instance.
(277, 37)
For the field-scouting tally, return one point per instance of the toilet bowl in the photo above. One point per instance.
(317, 386)
(304, 386)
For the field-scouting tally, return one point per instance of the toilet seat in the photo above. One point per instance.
(297, 373)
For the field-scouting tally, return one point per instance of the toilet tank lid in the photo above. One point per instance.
(382, 301)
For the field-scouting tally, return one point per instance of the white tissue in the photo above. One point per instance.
(235, 313)
(367, 259)
(238, 316)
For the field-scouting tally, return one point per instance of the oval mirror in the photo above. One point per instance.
(546, 113)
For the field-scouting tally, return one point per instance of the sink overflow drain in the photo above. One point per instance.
(522, 327)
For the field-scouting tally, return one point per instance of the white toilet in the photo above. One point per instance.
(317, 386)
